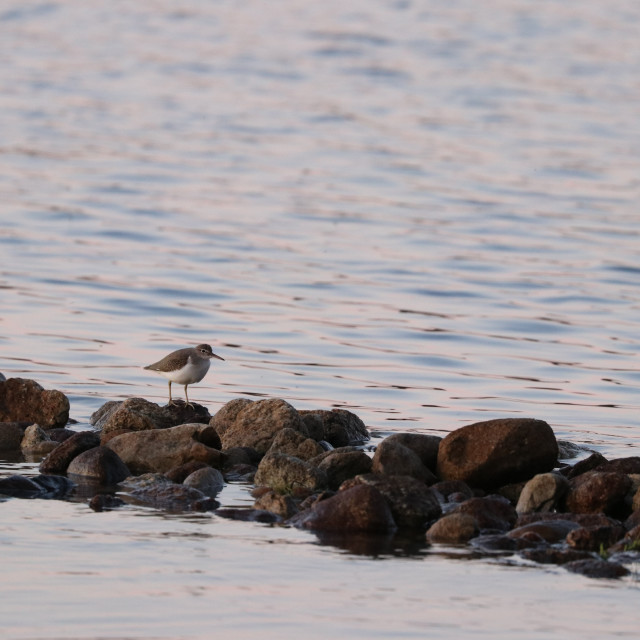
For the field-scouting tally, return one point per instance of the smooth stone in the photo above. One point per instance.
(100, 465)
(11, 434)
(542, 493)
(286, 474)
(282, 505)
(36, 441)
(548, 530)
(497, 452)
(393, 458)
(338, 427)
(587, 464)
(454, 528)
(339, 466)
(490, 512)
(593, 568)
(425, 446)
(208, 480)
(60, 458)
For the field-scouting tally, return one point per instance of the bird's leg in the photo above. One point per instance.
(170, 400)
(187, 396)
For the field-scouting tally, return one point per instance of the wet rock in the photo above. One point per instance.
(491, 512)
(134, 414)
(392, 458)
(61, 434)
(282, 505)
(159, 450)
(286, 474)
(542, 493)
(552, 555)
(105, 502)
(249, 515)
(42, 486)
(294, 443)
(587, 464)
(630, 542)
(595, 538)
(181, 413)
(551, 531)
(241, 456)
(36, 442)
(11, 434)
(360, 508)
(100, 465)
(583, 519)
(456, 488)
(633, 520)
(339, 427)
(245, 423)
(425, 446)
(500, 543)
(339, 466)
(568, 450)
(497, 452)
(455, 528)
(157, 491)
(593, 568)
(2, 377)
(181, 472)
(628, 466)
(413, 504)
(60, 458)
(596, 491)
(208, 480)
(26, 400)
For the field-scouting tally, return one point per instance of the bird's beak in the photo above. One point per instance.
(219, 357)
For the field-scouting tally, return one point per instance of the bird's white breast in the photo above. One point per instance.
(189, 374)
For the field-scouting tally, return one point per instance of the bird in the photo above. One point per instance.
(185, 366)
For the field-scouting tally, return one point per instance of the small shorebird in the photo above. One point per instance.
(185, 366)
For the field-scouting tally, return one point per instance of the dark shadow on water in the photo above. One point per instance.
(405, 544)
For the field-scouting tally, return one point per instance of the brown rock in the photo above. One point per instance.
(457, 488)
(159, 450)
(455, 528)
(595, 538)
(60, 458)
(392, 458)
(288, 474)
(339, 427)
(207, 479)
(26, 400)
(99, 465)
(294, 443)
(413, 504)
(244, 423)
(361, 508)
(425, 446)
(36, 442)
(179, 473)
(497, 452)
(281, 505)
(11, 434)
(583, 519)
(587, 464)
(596, 491)
(594, 568)
(134, 414)
(550, 530)
(339, 466)
(157, 491)
(491, 512)
(552, 555)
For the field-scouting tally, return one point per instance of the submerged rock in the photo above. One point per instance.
(594, 568)
(497, 452)
(25, 400)
(42, 486)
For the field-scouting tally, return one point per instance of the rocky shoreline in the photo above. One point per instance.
(496, 487)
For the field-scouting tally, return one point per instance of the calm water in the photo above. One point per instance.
(426, 212)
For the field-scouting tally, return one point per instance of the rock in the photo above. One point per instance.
(157, 491)
(244, 423)
(339, 467)
(159, 450)
(628, 466)
(11, 434)
(339, 427)
(36, 442)
(423, 445)
(595, 538)
(207, 480)
(100, 465)
(281, 505)
(587, 464)
(551, 531)
(134, 414)
(568, 450)
(41, 486)
(181, 472)
(392, 458)
(511, 491)
(413, 504)
(447, 488)
(182, 413)
(491, 512)
(288, 474)
(593, 568)
(551, 555)
(497, 452)
(542, 493)
(633, 520)
(360, 508)
(455, 528)
(105, 502)
(241, 456)
(26, 400)
(294, 443)
(500, 543)
(61, 434)
(60, 458)
(249, 515)
(2, 377)
(583, 519)
(597, 491)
